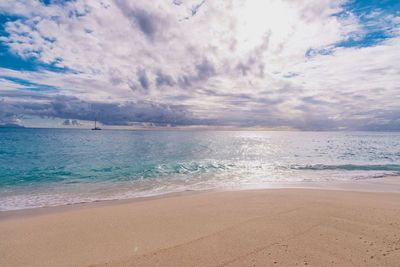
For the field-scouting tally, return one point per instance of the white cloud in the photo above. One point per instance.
(231, 62)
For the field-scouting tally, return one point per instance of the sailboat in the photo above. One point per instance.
(95, 126)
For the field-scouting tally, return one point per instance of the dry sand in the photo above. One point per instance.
(276, 227)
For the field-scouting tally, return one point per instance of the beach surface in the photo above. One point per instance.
(273, 227)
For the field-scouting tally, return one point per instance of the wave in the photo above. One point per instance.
(349, 167)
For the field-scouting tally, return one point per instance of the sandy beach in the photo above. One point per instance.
(284, 227)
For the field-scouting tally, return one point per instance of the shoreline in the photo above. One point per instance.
(386, 184)
(37, 211)
(235, 228)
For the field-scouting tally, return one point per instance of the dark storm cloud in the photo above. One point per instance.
(244, 68)
(24, 94)
(383, 120)
(7, 112)
(147, 22)
(142, 77)
(164, 79)
(72, 108)
(205, 69)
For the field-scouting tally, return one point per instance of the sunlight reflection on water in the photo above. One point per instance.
(40, 167)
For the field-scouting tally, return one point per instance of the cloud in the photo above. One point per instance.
(148, 23)
(71, 122)
(164, 79)
(144, 81)
(72, 109)
(205, 70)
(319, 65)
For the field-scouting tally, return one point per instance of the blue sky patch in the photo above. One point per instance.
(56, 2)
(360, 7)
(12, 61)
(369, 39)
(374, 17)
(27, 85)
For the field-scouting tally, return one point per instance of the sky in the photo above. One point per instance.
(229, 64)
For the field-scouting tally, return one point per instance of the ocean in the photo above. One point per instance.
(50, 167)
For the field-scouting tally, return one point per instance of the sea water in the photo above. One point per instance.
(49, 167)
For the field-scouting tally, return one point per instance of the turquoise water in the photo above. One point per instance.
(47, 167)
